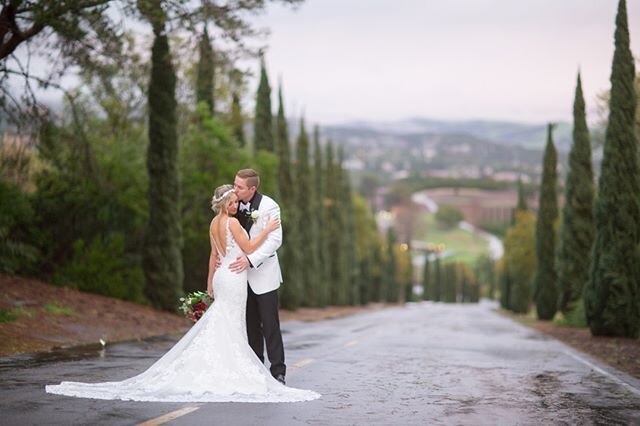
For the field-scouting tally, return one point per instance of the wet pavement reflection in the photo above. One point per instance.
(421, 364)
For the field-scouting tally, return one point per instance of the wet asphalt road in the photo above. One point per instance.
(420, 364)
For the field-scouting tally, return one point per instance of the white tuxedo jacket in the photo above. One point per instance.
(265, 275)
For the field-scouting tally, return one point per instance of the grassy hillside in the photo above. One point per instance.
(466, 246)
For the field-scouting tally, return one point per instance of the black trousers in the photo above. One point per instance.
(263, 324)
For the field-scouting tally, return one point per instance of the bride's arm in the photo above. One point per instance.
(250, 245)
(213, 260)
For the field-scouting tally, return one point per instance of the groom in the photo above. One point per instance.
(264, 276)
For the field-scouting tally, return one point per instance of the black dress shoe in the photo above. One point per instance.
(280, 378)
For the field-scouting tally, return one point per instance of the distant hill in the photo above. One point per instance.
(498, 132)
(499, 150)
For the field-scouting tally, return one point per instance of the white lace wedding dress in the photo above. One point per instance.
(211, 363)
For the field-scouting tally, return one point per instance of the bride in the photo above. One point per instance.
(213, 361)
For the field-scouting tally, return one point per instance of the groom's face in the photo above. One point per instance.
(243, 191)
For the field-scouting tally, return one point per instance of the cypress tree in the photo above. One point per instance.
(307, 219)
(505, 287)
(206, 72)
(522, 202)
(162, 261)
(408, 286)
(465, 295)
(290, 259)
(545, 286)
(577, 233)
(612, 296)
(520, 263)
(426, 279)
(236, 120)
(263, 120)
(377, 273)
(522, 199)
(366, 277)
(437, 282)
(389, 280)
(452, 282)
(337, 291)
(352, 281)
(321, 214)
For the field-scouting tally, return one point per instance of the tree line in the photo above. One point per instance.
(114, 196)
(584, 260)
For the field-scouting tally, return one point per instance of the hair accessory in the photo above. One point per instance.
(227, 192)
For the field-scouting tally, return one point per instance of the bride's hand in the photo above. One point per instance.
(210, 291)
(273, 223)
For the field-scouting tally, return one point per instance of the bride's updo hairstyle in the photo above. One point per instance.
(221, 197)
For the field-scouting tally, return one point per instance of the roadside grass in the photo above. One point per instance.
(14, 314)
(7, 316)
(54, 307)
(576, 318)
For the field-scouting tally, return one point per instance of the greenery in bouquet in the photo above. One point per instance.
(194, 304)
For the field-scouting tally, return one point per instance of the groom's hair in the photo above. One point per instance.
(251, 176)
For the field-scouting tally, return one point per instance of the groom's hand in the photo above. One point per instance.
(240, 264)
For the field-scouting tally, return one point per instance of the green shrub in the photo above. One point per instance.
(54, 307)
(103, 267)
(18, 253)
(575, 318)
(448, 216)
(7, 316)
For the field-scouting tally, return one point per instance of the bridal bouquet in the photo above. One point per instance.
(194, 304)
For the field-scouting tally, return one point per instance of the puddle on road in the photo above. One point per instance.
(80, 352)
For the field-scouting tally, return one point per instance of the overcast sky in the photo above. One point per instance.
(344, 60)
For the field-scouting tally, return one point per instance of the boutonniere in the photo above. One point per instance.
(253, 215)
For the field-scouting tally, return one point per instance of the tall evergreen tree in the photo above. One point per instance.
(452, 282)
(290, 259)
(162, 260)
(263, 120)
(612, 296)
(337, 278)
(465, 295)
(236, 120)
(307, 219)
(522, 199)
(366, 277)
(389, 281)
(426, 279)
(436, 288)
(206, 72)
(545, 285)
(577, 232)
(505, 287)
(352, 281)
(377, 273)
(519, 263)
(321, 214)
(522, 202)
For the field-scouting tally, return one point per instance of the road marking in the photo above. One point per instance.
(604, 373)
(300, 364)
(169, 416)
(351, 343)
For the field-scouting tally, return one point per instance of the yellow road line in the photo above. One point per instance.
(300, 364)
(186, 410)
(351, 343)
(169, 416)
